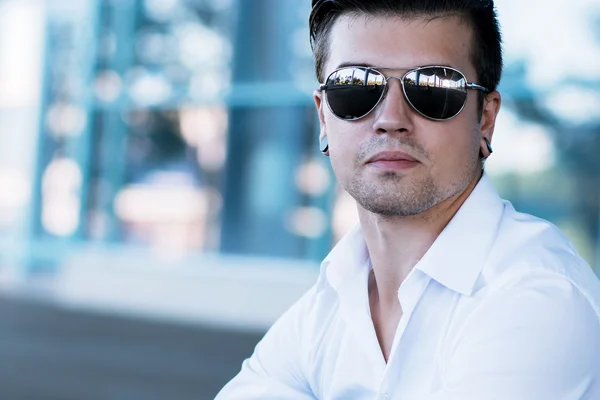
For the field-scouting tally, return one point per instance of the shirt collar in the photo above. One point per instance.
(456, 257)
(347, 259)
(459, 253)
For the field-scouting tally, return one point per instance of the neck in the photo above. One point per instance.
(396, 244)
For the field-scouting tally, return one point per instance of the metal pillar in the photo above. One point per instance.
(265, 143)
(113, 135)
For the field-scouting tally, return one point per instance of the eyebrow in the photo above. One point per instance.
(367, 65)
(354, 64)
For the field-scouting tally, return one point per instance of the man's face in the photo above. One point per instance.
(446, 152)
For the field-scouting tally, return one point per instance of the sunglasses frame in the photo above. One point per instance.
(468, 85)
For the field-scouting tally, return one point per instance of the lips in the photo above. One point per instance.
(391, 156)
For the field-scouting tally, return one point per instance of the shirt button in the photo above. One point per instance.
(386, 396)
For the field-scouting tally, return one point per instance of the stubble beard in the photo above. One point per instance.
(392, 195)
(402, 194)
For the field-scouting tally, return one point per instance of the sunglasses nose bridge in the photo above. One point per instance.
(387, 78)
(386, 89)
(392, 112)
(388, 85)
(399, 78)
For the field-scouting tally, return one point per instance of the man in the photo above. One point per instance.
(443, 291)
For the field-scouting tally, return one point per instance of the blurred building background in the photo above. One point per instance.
(159, 159)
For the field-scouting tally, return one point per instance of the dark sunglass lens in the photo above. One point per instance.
(438, 93)
(353, 92)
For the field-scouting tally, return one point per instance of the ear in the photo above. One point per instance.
(319, 101)
(491, 108)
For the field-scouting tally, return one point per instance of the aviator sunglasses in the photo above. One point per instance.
(436, 92)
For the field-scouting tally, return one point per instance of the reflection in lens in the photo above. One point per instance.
(341, 77)
(374, 78)
(354, 92)
(438, 93)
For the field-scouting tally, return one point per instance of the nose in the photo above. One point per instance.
(393, 115)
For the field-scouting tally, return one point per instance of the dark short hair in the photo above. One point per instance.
(486, 54)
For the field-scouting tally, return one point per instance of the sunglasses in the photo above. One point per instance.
(436, 92)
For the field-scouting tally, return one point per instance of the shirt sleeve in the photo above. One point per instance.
(276, 369)
(536, 340)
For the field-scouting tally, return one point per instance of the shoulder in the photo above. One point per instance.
(530, 253)
(535, 337)
(539, 296)
(277, 368)
(532, 317)
(537, 300)
(302, 325)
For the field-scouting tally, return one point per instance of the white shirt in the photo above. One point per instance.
(500, 307)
